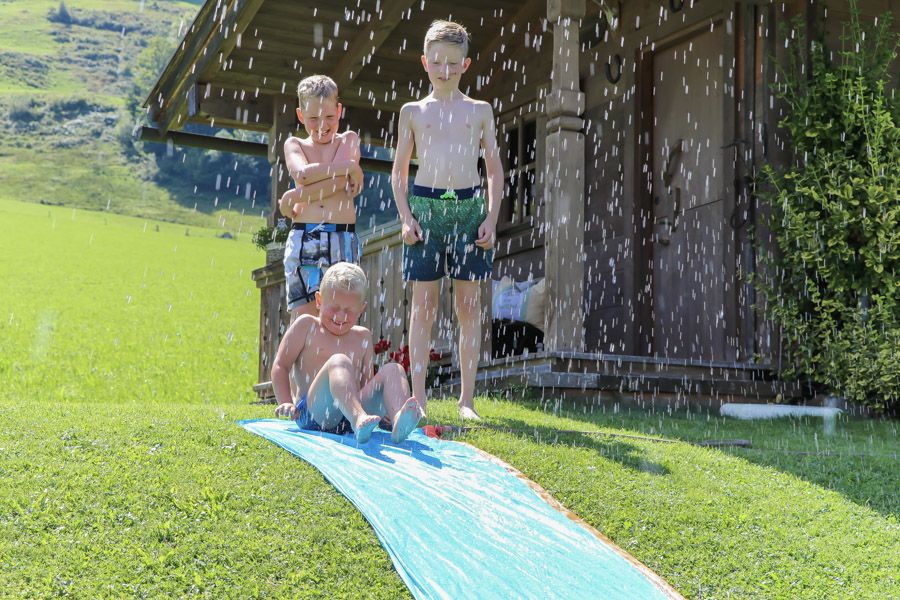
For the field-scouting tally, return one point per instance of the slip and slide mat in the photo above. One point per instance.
(459, 523)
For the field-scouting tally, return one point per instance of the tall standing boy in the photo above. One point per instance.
(446, 228)
(326, 172)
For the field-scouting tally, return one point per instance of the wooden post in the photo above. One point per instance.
(273, 314)
(564, 184)
(284, 118)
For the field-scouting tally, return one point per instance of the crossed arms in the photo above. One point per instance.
(318, 181)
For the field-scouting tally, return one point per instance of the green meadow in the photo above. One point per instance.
(128, 349)
(64, 121)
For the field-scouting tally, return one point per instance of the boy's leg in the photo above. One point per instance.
(467, 306)
(334, 394)
(422, 316)
(388, 393)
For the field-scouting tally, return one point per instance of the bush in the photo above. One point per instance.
(833, 287)
(25, 111)
(69, 108)
(266, 235)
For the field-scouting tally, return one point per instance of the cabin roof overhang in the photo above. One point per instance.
(239, 58)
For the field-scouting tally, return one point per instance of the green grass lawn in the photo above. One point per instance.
(32, 31)
(128, 351)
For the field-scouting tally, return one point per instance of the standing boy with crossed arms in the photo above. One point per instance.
(445, 226)
(325, 168)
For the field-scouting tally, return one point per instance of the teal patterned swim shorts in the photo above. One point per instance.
(449, 220)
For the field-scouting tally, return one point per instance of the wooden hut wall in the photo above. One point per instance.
(618, 212)
(389, 297)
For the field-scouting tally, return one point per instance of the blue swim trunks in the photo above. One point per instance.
(449, 220)
(306, 421)
(310, 249)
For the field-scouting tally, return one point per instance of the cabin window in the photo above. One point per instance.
(518, 150)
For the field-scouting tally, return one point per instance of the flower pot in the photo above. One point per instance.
(274, 252)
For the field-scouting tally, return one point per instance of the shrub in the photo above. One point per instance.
(24, 110)
(69, 108)
(833, 286)
(266, 235)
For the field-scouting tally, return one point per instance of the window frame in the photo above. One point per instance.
(513, 218)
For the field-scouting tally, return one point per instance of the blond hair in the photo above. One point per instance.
(447, 32)
(316, 86)
(346, 277)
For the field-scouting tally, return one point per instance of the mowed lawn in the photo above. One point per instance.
(127, 353)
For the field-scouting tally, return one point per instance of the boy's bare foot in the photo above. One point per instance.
(468, 414)
(364, 427)
(405, 421)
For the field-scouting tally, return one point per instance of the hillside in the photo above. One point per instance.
(71, 75)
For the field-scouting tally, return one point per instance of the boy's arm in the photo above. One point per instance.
(289, 351)
(312, 192)
(349, 151)
(411, 231)
(494, 169)
(304, 173)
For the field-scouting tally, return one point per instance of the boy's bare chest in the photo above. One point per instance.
(437, 126)
(320, 153)
(320, 346)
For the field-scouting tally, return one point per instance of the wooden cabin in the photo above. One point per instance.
(630, 131)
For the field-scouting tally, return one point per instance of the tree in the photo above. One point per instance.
(62, 15)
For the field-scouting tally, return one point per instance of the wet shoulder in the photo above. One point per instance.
(482, 108)
(304, 327)
(304, 145)
(414, 107)
(307, 323)
(409, 114)
(413, 110)
(362, 335)
(348, 137)
(361, 331)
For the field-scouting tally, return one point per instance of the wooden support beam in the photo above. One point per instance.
(292, 11)
(564, 184)
(225, 107)
(488, 58)
(284, 123)
(368, 41)
(376, 95)
(232, 18)
(209, 142)
(190, 47)
(195, 140)
(257, 83)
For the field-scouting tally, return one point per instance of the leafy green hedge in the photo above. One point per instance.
(832, 285)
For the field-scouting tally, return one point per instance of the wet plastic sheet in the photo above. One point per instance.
(458, 525)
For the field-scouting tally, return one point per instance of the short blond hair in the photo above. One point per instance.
(347, 277)
(447, 32)
(316, 86)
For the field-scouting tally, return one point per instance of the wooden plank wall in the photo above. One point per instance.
(612, 183)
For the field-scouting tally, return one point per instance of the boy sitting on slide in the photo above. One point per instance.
(330, 359)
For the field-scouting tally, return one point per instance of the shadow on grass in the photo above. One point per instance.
(610, 448)
(841, 463)
(866, 481)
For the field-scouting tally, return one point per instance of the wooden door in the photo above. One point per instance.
(689, 229)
